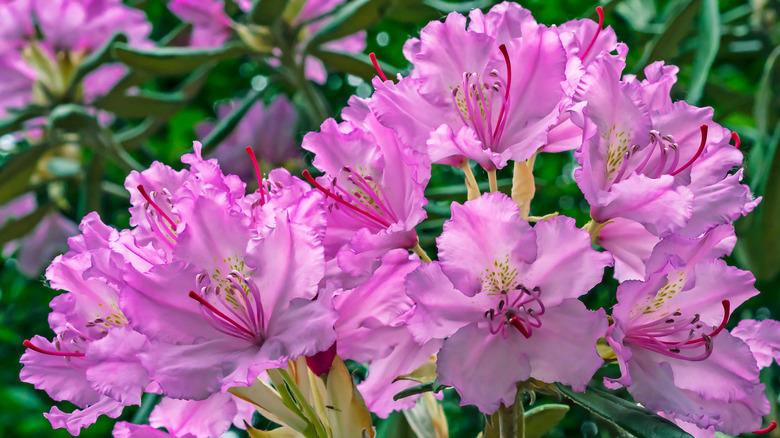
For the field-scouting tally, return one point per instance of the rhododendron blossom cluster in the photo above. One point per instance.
(230, 294)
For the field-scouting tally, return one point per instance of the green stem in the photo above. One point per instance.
(511, 420)
(421, 252)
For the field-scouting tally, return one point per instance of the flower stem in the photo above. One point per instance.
(492, 179)
(421, 252)
(472, 188)
(511, 420)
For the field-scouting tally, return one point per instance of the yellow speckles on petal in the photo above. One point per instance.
(498, 276)
(618, 143)
(674, 284)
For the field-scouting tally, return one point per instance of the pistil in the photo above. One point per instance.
(32, 346)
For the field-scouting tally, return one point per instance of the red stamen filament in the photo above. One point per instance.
(600, 11)
(330, 194)
(155, 206)
(701, 149)
(735, 137)
(217, 312)
(257, 172)
(32, 347)
(515, 321)
(502, 48)
(770, 428)
(372, 55)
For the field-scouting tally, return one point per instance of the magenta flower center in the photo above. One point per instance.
(232, 305)
(363, 197)
(660, 157)
(676, 335)
(519, 308)
(483, 104)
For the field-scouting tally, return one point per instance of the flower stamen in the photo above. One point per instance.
(32, 347)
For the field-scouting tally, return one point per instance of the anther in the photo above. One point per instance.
(600, 12)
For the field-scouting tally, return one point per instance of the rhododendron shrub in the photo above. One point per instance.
(240, 287)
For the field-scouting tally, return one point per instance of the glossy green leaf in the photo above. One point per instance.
(707, 48)
(351, 17)
(434, 386)
(357, 64)
(462, 7)
(541, 419)
(225, 126)
(266, 12)
(72, 118)
(678, 23)
(762, 154)
(16, 171)
(24, 225)
(134, 136)
(624, 414)
(143, 104)
(166, 61)
(15, 121)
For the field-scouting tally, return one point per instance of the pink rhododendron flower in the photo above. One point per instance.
(665, 166)
(504, 292)
(268, 130)
(372, 328)
(93, 359)
(235, 299)
(669, 338)
(483, 92)
(763, 338)
(70, 31)
(375, 185)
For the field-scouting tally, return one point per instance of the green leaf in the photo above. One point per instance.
(71, 118)
(707, 49)
(624, 414)
(358, 64)
(225, 126)
(463, 7)
(95, 59)
(134, 136)
(541, 419)
(16, 172)
(15, 120)
(166, 61)
(434, 386)
(762, 154)
(266, 12)
(24, 225)
(143, 104)
(351, 17)
(678, 24)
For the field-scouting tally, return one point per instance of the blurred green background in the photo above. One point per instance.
(726, 51)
